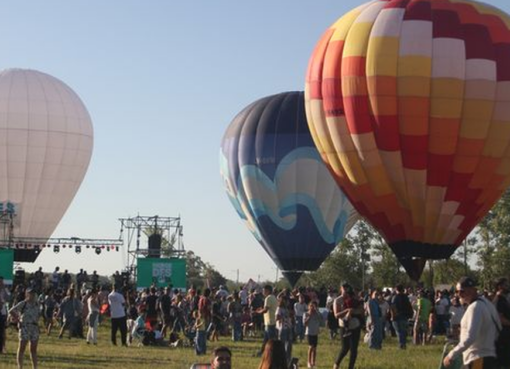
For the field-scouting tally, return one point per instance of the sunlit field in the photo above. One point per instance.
(75, 353)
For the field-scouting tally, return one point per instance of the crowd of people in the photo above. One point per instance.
(173, 318)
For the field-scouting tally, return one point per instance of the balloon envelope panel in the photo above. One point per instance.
(46, 141)
(408, 103)
(278, 184)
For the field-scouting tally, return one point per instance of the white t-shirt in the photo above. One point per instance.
(478, 331)
(116, 301)
(300, 309)
(456, 312)
(385, 308)
(442, 306)
(243, 295)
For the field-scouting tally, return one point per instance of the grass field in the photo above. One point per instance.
(75, 353)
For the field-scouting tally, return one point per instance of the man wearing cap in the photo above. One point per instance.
(28, 313)
(479, 329)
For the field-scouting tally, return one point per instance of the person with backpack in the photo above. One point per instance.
(401, 311)
(27, 313)
(479, 329)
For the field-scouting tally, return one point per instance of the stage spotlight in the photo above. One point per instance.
(64, 246)
(77, 249)
(88, 246)
(117, 248)
(108, 248)
(98, 250)
(56, 249)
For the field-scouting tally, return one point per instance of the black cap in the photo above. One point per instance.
(466, 282)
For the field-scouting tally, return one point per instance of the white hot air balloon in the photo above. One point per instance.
(46, 141)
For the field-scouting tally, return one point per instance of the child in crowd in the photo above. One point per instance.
(312, 321)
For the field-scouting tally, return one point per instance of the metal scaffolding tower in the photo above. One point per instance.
(170, 229)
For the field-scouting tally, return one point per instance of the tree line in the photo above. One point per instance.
(365, 260)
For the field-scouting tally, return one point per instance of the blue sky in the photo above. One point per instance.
(162, 80)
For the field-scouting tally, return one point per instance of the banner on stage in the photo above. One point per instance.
(161, 273)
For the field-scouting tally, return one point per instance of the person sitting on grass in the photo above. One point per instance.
(139, 327)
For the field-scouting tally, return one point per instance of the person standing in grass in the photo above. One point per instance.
(27, 312)
(269, 311)
(235, 310)
(69, 312)
(284, 325)
(93, 317)
(421, 324)
(312, 320)
(375, 328)
(502, 304)
(300, 308)
(478, 329)
(118, 315)
(348, 310)
(401, 311)
(4, 298)
(200, 335)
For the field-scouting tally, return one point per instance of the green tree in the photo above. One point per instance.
(448, 271)
(493, 242)
(342, 265)
(214, 277)
(386, 269)
(194, 269)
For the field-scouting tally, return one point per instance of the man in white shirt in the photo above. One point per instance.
(243, 295)
(300, 308)
(479, 329)
(55, 278)
(269, 312)
(441, 305)
(118, 315)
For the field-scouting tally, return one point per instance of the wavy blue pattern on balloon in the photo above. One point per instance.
(287, 206)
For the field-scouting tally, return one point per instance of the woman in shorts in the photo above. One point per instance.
(27, 312)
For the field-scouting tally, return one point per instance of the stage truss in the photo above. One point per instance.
(133, 229)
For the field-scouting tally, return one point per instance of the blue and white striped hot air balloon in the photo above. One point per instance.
(279, 185)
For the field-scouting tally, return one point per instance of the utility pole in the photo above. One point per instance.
(465, 256)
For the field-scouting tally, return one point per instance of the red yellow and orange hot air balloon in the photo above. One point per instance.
(408, 102)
